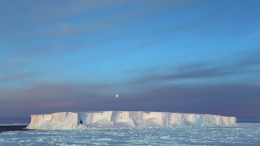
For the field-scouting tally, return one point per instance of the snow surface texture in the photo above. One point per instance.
(123, 119)
(241, 134)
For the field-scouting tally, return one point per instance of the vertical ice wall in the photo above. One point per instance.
(61, 120)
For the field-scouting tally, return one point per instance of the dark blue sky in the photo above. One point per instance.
(158, 55)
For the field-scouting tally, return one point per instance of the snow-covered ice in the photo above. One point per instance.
(239, 135)
(123, 119)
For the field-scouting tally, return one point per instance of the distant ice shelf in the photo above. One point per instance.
(124, 119)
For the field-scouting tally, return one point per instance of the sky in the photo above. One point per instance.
(190, 56)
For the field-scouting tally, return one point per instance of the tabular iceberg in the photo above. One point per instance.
(124, 119)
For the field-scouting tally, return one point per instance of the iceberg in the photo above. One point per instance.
(124, 119)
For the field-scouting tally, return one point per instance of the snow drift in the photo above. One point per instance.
(124, 119)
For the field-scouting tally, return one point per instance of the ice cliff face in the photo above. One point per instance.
(124, 119)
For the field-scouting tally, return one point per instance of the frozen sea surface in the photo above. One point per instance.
(240, 134)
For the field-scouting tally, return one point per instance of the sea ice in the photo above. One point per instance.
(240, 134)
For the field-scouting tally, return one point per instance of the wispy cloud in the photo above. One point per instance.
(203, 70)
(19, 76)
(56, 25)
(12, 65)
(251, 58)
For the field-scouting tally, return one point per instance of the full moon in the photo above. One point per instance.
(116, 95)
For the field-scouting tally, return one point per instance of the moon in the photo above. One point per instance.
(116, 95)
